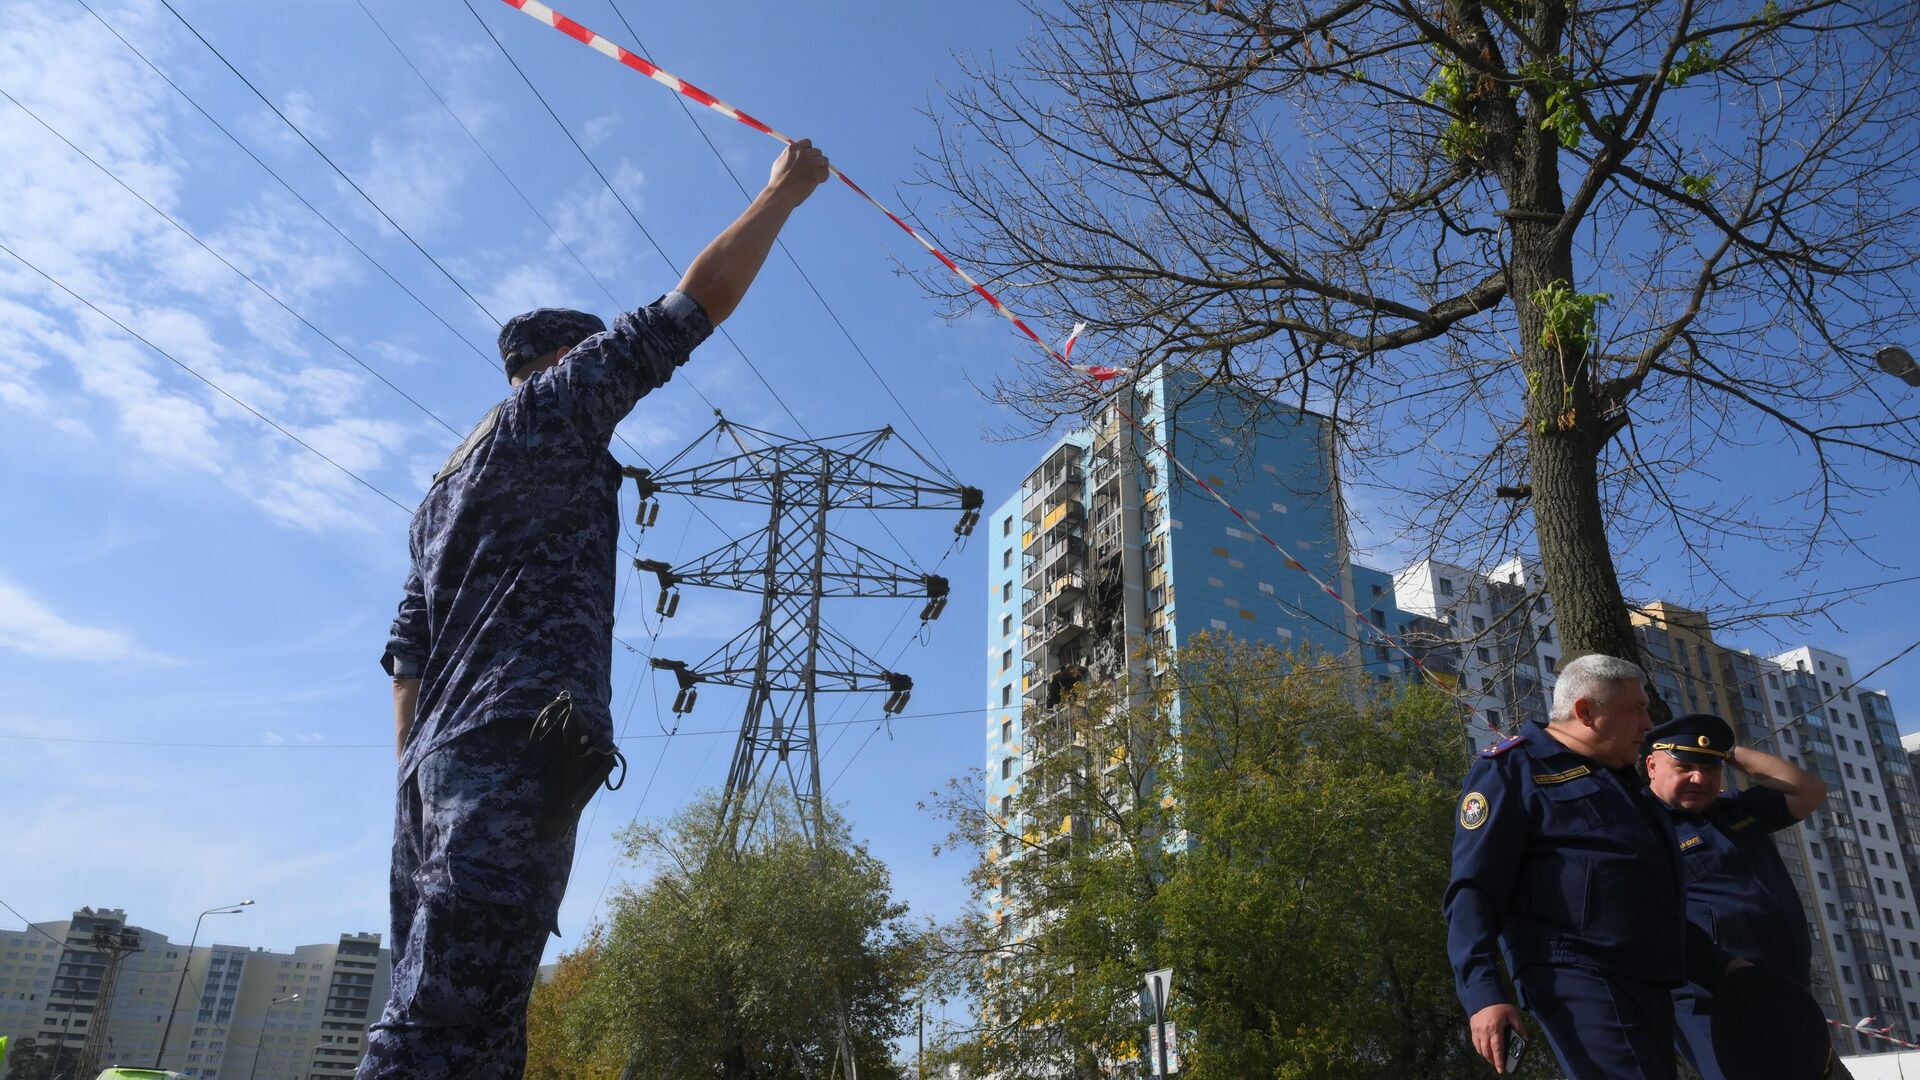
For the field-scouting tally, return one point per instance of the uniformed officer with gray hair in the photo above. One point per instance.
(1565, 864)
(502, 651)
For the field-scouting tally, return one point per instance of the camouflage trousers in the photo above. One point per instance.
(481, 852)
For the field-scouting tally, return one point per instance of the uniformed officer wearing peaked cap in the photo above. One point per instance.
(1737, 887)
(1566, 866)
(502, 650)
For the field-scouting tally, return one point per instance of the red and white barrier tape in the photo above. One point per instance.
(1096, 374)
(1872, 1034)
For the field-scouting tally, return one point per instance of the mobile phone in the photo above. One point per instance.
(1516, 1052)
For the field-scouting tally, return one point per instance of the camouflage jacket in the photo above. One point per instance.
(509, 601)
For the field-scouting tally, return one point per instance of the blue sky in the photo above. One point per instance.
(172, 571)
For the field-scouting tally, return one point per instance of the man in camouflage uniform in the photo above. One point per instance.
(502, 651)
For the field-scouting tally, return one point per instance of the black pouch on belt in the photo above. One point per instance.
(577, 765)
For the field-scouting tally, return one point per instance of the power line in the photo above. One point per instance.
(290, 189)
(182, 365)
(224, 261)
(784, 250)
(491, 160)
(388, 218)
(31, 925)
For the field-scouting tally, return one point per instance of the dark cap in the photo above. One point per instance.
(528, 337)
(1767, 1027)
(1701, 738)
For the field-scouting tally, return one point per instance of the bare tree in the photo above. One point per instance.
(1547, 255)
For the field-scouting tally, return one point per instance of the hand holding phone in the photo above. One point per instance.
(1516, 1052)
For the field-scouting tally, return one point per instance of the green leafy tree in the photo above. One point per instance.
(737, 964)
(29, 1060)
(1067, 875)
(553, 1017)
(1547, 264)
(1270, 826)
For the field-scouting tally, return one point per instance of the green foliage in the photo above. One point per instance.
(552, 1053)
(1452, 87)
(1697, 186)
(1771, 14)
(729, 966)
(29, 1060)
(1282, 845)
(1567, 316)
(1562, 102)
(1700, 60)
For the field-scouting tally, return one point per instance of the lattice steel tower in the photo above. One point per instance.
(795, 562)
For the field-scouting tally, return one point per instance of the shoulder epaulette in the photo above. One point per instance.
(1503, 746)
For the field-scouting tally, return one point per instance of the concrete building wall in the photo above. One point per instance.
(235, 1003)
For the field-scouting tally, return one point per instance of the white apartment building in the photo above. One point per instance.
(1493, 633)
(299, 1015)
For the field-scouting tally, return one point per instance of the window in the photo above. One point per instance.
(1779, 708)
(1006, 694)
(1483, 655)
(1378, 591)
(1880, 886)
(1156, 598)
(1546, 635)
(1546, 663)
(1479, 624)
(1006, 731)
(1814, 846)
(1873, 856)
(1847, 974)
(1824, 883)
(1839, 943)
(1006, 558)
(1848, 766)
(1856, 797)
(1832, 912)
(1006, 525)
(1006, 660)
(1006, 625)
(1493, 717)
(1875, 800)
(1446, 586)
(1006, 592)
(1006, 768)
(1006, 806)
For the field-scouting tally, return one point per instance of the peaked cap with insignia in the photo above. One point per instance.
(1696, 738)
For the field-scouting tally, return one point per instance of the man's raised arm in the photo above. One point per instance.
(718, 277)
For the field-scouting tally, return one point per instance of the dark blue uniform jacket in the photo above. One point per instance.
(1738, 889)
(509, 601)
(1562, 860)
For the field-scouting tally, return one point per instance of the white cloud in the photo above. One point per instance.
(32, 629)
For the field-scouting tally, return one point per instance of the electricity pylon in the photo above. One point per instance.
(795, 562)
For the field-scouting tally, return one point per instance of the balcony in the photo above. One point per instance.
(1063, 628)
(1068, 585)
(1067, 512)
(1067, 547)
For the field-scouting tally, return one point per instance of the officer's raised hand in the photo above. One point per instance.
(1489, 1028)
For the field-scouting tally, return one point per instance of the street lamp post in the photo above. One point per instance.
(223, 909)
(264, 1021)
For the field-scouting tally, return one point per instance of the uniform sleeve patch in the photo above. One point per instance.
(1691, 842)
(1473, 810)
(1574, 773)
(1743, 823)
(1503, 746)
